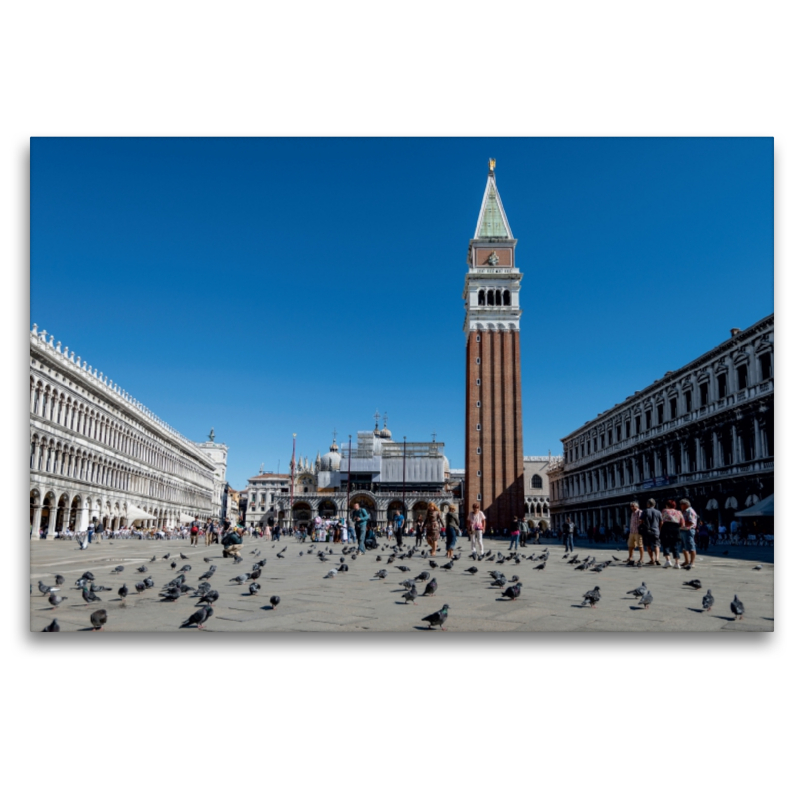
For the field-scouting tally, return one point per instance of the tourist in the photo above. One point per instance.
(433, 527)
(399, 522)
(649, 527)
(703, 535)
(231, 544)
(194, 530)
(451, 532)
(476, 524)
(635, 541)
(360, 516)
(671, 520)
(515, 534)
(688, 528)
(568, 529)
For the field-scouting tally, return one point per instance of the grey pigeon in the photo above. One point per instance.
(471, 570)
(381, 573)
(173, 593)
(254, 588)
(695, 584)
(206, 575)
(209, 597)
(142, 569)
(53, 627)
(646, 599)
(55, 600)
(198, 618)
(737, 606)
(757, 566)
(152, 559)
(592, 597)
(118, 569)
(59, 579)
(149, 583)
(89, 596)
(331, 574)
(423, 576)
(448, 565)
(240, 579)
(411, 594)
(513, 592)
(185, 568)
(498, 582)
(173, 564)
(256, 573)
(122, 592)
(407, 584)
(543, 565)
(639, 591)
(87, 576)
(98, 619)
(404, 568)
(45, 589)
(274, 600)
(430, 589)
(185, 558)
(165, 557)
(708, 600)
(437, 618)
(207, 560)
(140, 587)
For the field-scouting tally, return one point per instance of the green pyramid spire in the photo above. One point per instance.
(492, 221)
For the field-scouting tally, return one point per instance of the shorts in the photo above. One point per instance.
(652, 540)
(687, 540)
(635, 541)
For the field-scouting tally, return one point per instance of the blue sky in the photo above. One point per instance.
(271, 286)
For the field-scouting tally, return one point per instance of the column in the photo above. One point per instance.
(715, 449)
(82, 521)
(51, 523)
(735, 445)
(757, 432)
(37, 519)
(698, 452)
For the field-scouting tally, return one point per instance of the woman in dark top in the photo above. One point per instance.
(451, 532)
(419, 530)
(671, 520)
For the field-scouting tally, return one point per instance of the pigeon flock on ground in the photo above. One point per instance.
(203, 596)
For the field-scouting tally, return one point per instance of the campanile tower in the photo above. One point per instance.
(493, 459)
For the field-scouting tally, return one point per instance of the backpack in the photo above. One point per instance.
(194, 529)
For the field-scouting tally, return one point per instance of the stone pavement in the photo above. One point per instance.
(356, 601)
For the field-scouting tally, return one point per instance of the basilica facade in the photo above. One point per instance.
(382, 475)
(95, 451)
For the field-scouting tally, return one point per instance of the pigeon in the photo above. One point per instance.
(614, 557)
(98, 619)
(165, 557)
(543, 565)
(639, 591)
(566, 555)
(142, 569)
(55, 600)
(122, 592)
(407, 584)
(237, 559)
(87, 576)
(183, 557)
(206, 575)
(437, 618)
(378, 558)
(202, 588)
(411, 594)
(433, 564)
(207, 559)
(89, 596)
(209, 597)
(757, 566)
(174, 564)
(95, 588)
(118, 569)
(256, 573)
(381, 573)
(592, 598)
(708, 600)
(448, 565)
(149, 583)
(152, 559)
(185, 568)
(513, 592)
(199, 617)
(344, 568)
(240, 579)
(646, 599)
(173, 593)
(430, 589)
(423, 576)
(331, 574)
(59, 579)
(471, 570)
(737, 606)
(45, 589)
(404, 568)
(140, 587)
(254, 588)
(274, 600)
(53, 627)
(498, 582)
(695, 584)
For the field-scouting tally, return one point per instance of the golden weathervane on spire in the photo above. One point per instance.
(492, 162)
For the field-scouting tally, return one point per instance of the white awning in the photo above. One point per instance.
(712, 505)
(185, 517)
(752, 499)
(732, 502)
(764, 508)
(134, 513)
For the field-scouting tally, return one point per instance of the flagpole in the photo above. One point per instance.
(291, 496)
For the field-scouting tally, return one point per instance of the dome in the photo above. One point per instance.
(331, 461)
(385, 433)
(446, 463)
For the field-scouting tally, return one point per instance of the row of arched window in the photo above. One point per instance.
(55, 406)
(58, 458)
(494, 297)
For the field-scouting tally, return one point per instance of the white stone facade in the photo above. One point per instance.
(97, 452)
(537, 488)
(218, 454)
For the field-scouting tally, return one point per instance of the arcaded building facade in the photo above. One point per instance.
(95, 451)
(704, 432)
